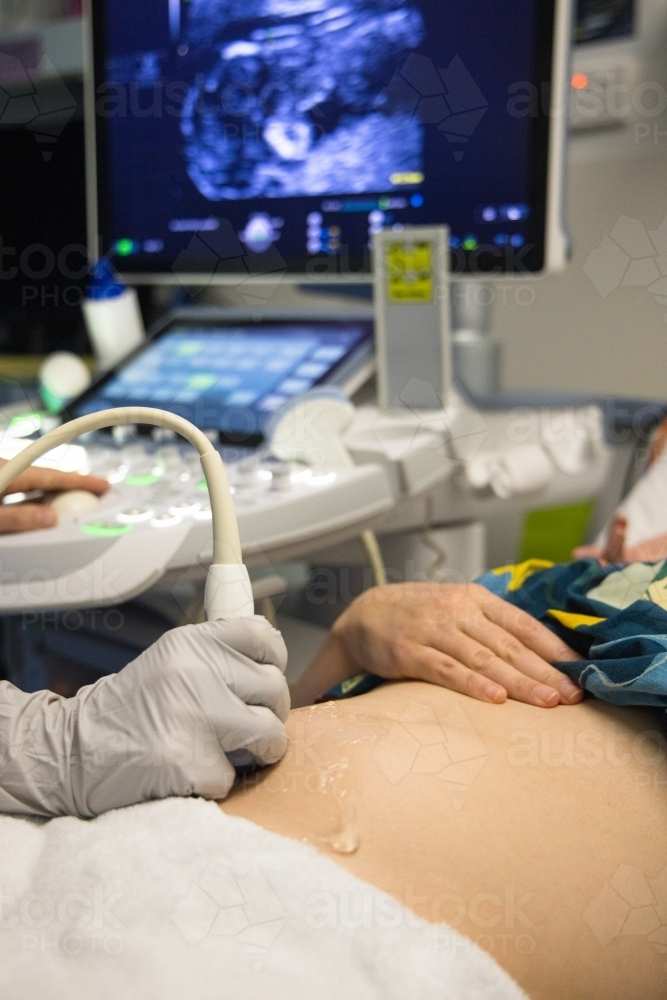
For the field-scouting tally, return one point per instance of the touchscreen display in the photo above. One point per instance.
(228, 380)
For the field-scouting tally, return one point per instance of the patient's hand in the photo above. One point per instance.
(457, 635)
(615, 549)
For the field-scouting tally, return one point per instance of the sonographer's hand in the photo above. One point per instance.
(457, 635)
(29, 516)
(164, 725)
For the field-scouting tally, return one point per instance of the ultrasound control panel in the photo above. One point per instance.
(157, 517)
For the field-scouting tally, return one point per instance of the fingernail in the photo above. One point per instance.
(495, 693)
(571, 692)
(46, 516)
(546, 695)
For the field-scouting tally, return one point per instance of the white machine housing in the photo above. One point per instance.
(155, 519)
(412, 317)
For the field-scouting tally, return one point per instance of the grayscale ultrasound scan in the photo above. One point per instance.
(300, 105)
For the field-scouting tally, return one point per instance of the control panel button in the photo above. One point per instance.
(145, 480)
(122, 433)
(281, 478)
(105, 529)
(185, 507)
(246, 475)
(166, 520)
(117, 475)
(203, 514)
(134, 515)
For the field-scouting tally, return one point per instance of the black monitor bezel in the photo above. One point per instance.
(531, 260)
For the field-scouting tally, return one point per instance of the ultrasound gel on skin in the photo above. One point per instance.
(112, 315)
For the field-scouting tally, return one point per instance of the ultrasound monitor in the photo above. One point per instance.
(234, 139)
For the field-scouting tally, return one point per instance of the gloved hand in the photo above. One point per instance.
(161, 726)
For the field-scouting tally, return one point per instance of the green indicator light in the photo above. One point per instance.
(201, 381)
(32, 417)
(383, 202)
(124, 247)
(25, 424)
(470, 243)
(201, 485)
(141, 480)
(107, 529)
(188, 349)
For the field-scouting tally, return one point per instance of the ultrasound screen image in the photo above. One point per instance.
(264, 136)
(312, 90)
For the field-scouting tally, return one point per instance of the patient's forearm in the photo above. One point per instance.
(330, 666)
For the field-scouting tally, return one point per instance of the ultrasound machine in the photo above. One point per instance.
(266, 142)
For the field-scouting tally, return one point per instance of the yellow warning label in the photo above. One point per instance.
(408, 268)
(404, 257)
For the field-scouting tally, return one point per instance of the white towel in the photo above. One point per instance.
(175, 899)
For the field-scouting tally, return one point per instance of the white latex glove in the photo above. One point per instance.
(162, 726)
